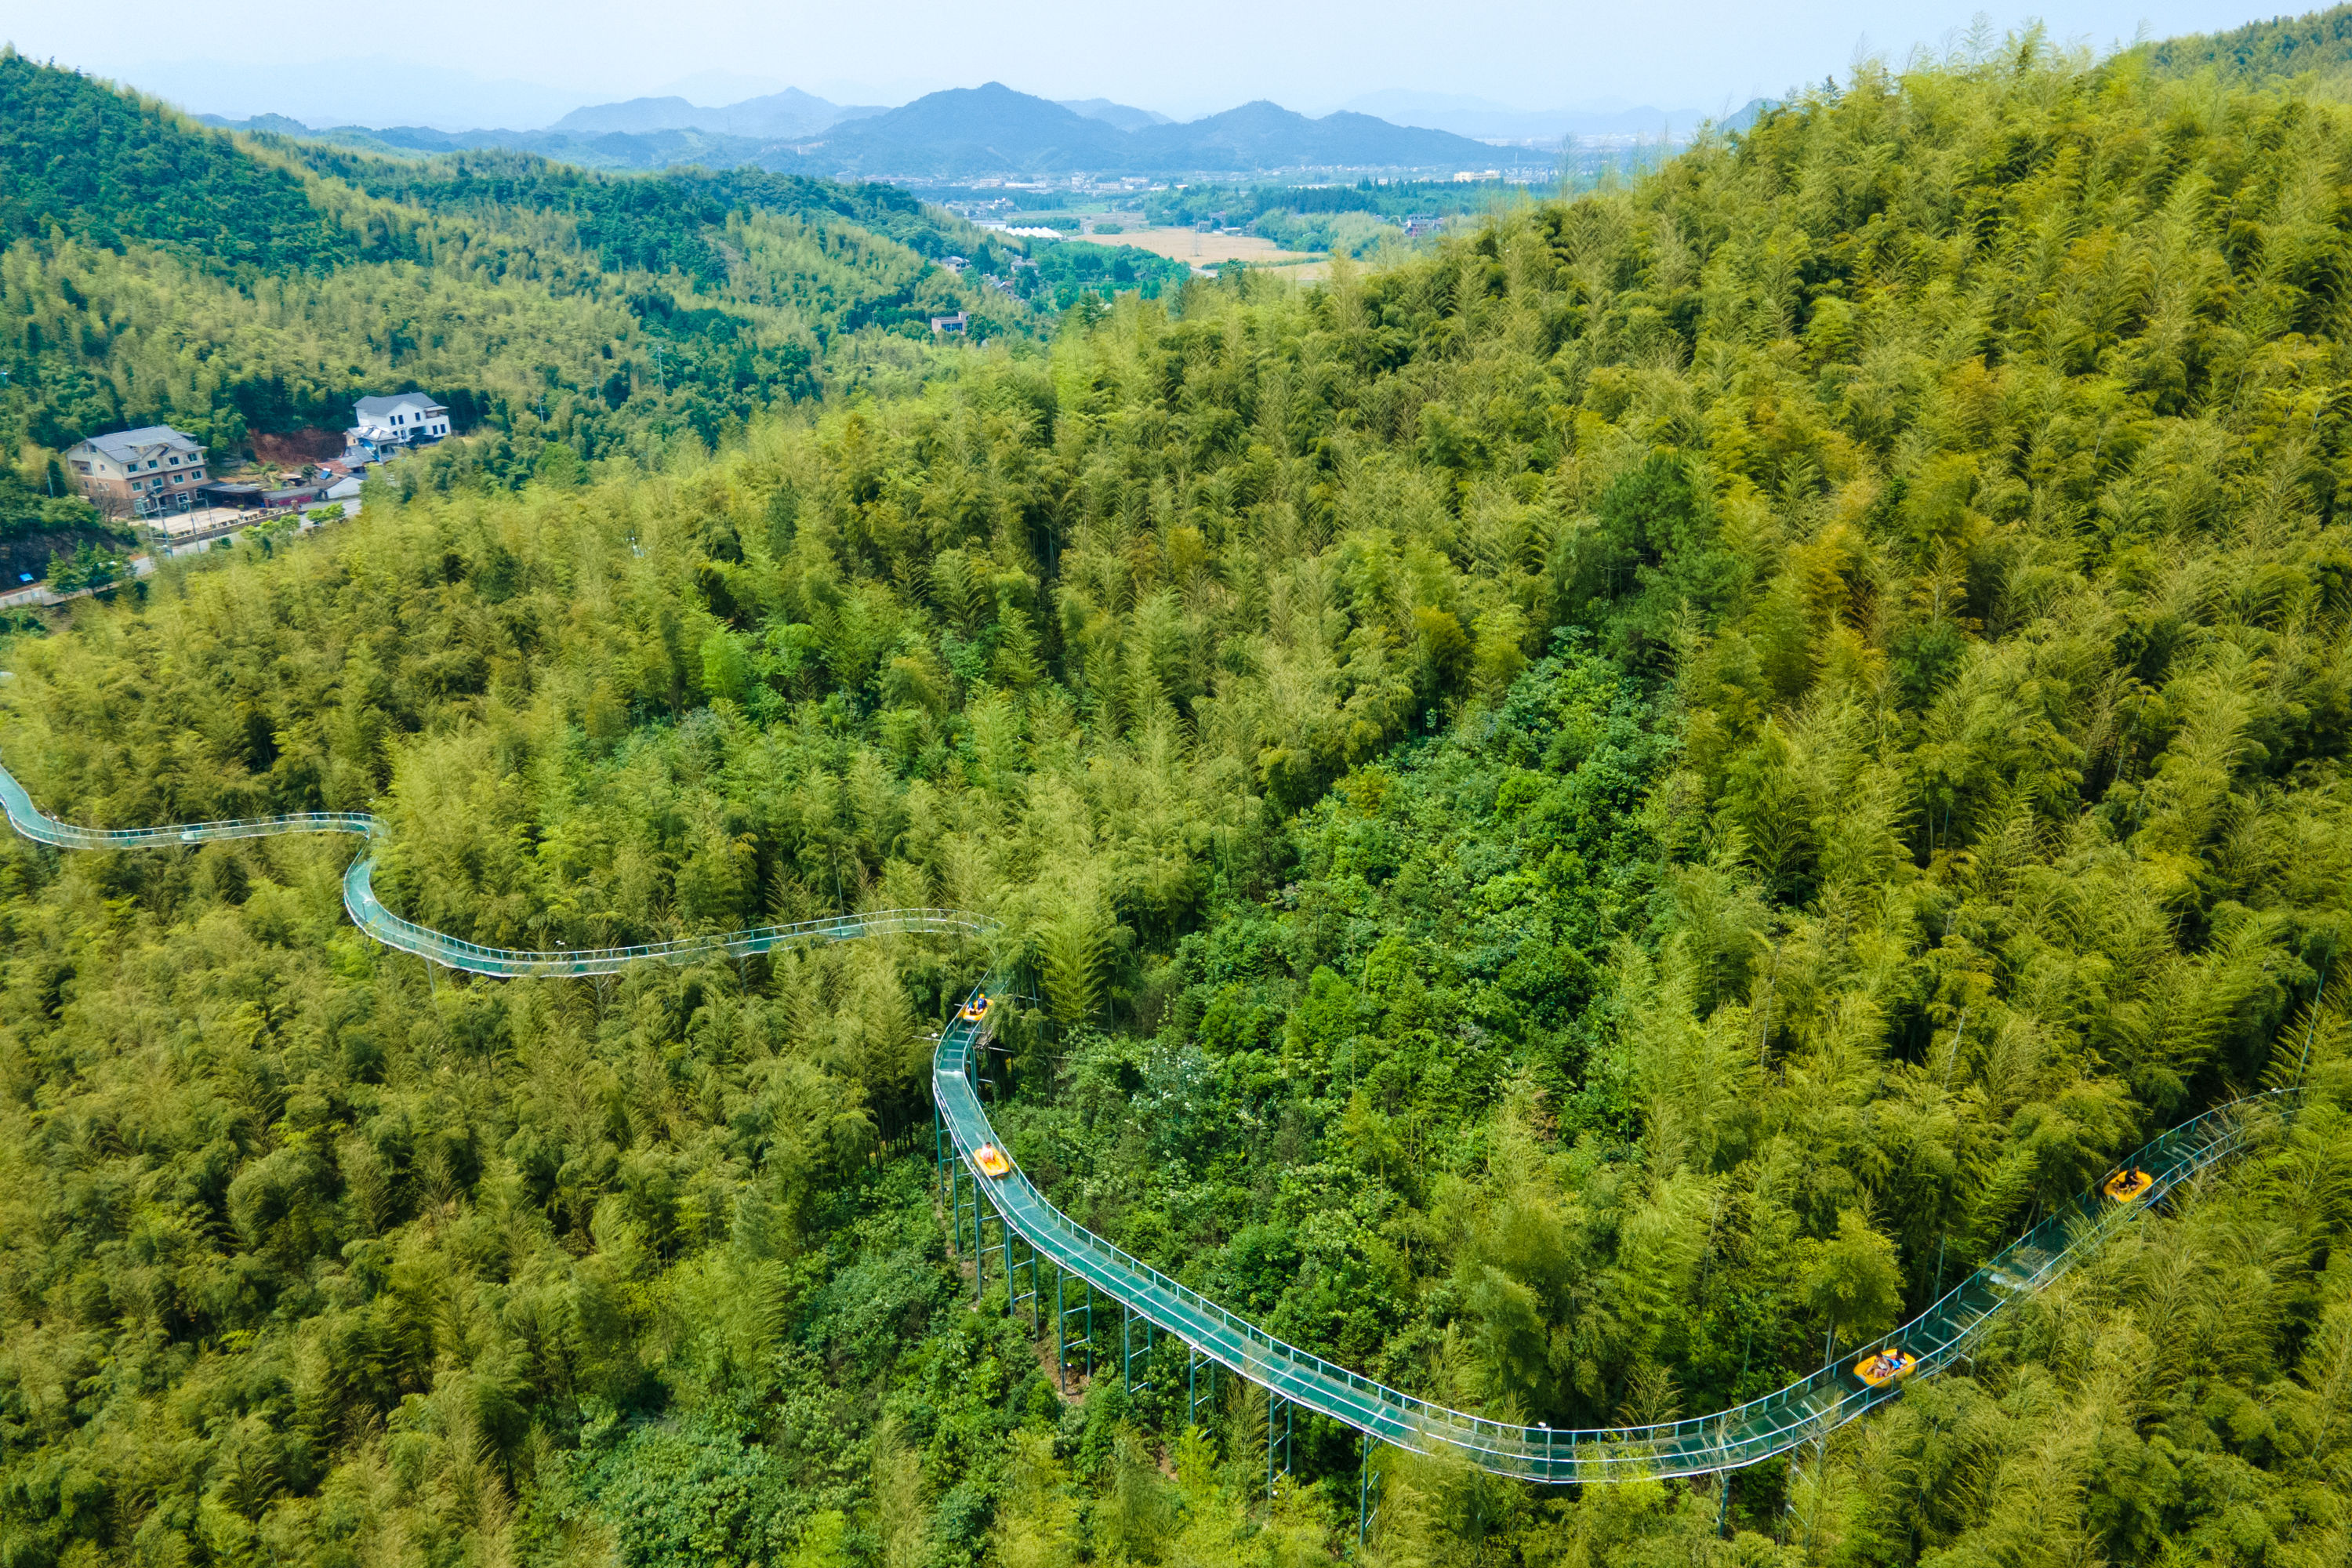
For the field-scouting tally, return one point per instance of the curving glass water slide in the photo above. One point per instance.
(1803, 1412)
(369, 914)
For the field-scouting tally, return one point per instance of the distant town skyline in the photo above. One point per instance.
(524, 63)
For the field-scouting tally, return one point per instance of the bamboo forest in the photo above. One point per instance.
(1578, 822)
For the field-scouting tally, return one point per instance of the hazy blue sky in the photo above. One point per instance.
(522, 62)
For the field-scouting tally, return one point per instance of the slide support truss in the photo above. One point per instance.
(1130, 1352)
(1196, 1396)
(1084, 1311)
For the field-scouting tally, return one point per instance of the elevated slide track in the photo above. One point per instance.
(1808, 1409)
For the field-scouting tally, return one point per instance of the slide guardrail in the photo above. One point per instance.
(1728, 1440)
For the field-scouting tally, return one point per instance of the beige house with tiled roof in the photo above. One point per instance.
(139, 473)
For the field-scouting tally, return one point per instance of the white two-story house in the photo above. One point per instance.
(388, 424)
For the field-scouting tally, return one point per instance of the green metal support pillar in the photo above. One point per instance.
(1063, 1313)
(1126, 1352)
(1014, 1294)
(980, 1244)
(955, 1205)
(1193, 1397)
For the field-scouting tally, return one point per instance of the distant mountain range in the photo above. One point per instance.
(786, 114)
(1117, 114)
(992, 131)
(965, 133)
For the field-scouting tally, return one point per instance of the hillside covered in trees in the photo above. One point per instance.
(155, 271)
(1590, 817)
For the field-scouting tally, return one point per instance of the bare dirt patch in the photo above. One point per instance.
(308, 445)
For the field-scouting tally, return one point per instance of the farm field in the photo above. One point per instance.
(1205, 250)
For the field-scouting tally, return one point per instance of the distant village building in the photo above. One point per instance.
(239, 495)
(342, 480)
(139, 473)
(955, 264)
(952, 326)
(307, 493)
(386, 425)
(329, 481)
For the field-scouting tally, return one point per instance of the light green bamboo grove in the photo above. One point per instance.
(1587, 816)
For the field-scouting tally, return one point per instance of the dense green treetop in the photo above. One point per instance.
(109, 168)
(2319, 42)
(1240, 204)
(1067, 270)
(638, 224)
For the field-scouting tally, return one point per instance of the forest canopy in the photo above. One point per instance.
(1582, 820)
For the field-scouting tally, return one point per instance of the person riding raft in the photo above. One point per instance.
(2128, 1184)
